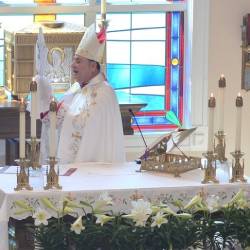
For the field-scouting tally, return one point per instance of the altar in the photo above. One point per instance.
(123, 182)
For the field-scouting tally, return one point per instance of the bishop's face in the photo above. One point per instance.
(83, 69)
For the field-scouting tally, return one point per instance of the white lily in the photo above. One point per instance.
(239, 200)
(140, 212)
(195, 203)
(102, 218)
(77, 226)
(159, 219)
(184, 216)
(103, 201)
(168, 211)
(41, 217)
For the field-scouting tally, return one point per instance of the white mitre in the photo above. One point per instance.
(90, 47)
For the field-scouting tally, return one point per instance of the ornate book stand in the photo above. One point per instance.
(157, 157)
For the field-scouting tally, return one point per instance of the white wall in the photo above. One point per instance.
(224, 56)
(215, 48)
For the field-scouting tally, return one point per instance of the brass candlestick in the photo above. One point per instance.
(237, 167)
(52, 176)
(34, 152)
(210, 168)
(220, 148)
(22, 176)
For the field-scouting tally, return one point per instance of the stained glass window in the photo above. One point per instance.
(145, 63)
(144, 56)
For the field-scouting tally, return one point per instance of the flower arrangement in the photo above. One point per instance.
(201, 223)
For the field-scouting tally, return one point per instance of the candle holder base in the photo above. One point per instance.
(33, 152)
(52, 176)
(210, 169)
(22, 176)
(220, 148)
(237, 168)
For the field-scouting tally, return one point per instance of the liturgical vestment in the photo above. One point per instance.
(89, 126)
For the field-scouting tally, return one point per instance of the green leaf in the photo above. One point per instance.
(171, 116)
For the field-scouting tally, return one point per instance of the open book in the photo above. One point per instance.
(169, 141)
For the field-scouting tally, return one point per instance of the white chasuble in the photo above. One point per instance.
(89, 125)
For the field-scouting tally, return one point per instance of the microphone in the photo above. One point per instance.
(146, 146)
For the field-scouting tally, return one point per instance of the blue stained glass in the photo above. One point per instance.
(175, 24)
(147, 75)
(175, 48)
(118, 75)
(154, 102)
(139, 73)
(150, 120)
(175, 89)
(159, 120)
(143, 120)
(175, 77)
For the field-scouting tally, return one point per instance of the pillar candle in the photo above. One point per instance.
(211, 106)
(52, 132)
(103, 7)
(239, 104)
(222, 85)
(33, 89)
(22, 109)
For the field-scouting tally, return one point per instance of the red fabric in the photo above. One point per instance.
(101, 36)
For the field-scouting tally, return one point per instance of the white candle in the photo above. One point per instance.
(222, 85)
(22, 109)
(33, 89)
(211, 106)
(103, 7)
(52, 132)
(239, 104)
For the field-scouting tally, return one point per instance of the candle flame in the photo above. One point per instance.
(239, 94)
(211, 95)
(222, 76)
(53, 99)
(33, 78)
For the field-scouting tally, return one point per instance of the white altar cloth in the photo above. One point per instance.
(121, 181)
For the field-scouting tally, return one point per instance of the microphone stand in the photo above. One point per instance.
(144, 141)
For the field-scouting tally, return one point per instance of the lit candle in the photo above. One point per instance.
(211, 106)
(239, 104)
(33, 89)
(52, 132)
(22, 110)
(222, 85)
(103, 7)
